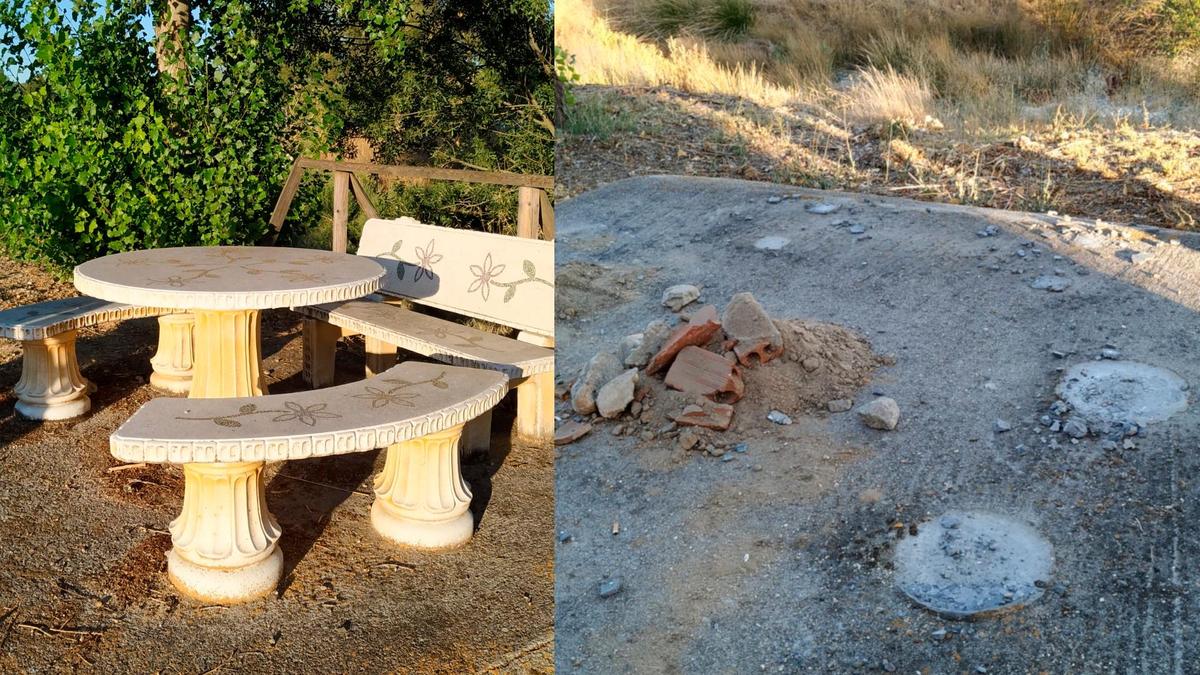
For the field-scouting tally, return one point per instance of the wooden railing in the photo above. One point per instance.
(535, 215)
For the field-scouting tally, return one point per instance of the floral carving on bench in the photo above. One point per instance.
(485, 278)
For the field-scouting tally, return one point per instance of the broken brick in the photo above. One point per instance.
(703, 325)
(750, 331)
(718, 416)
(701, 372)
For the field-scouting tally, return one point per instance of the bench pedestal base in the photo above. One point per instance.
(172, 362)
(421, 498)
(51, 386)
(224, 542)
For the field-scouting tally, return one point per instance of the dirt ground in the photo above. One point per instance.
(82, 571)
(780, 558)
(1126, 172)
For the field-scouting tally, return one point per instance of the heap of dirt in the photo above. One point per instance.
(820, 363)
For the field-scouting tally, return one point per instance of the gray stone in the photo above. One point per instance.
(600, 369)
(617, 394)
(774, 199)
(610, 587)
(778, 417)
(628, 345)
(653, 338)
(1050, 283)
(1000, 426)
(822, 208)
(1110, 354)
(840, 405)
(679, 296)
(1075, 428)
(772, 243)
(1141, 257)
(882, 413)
(857, 229)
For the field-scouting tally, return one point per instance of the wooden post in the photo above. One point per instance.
(547, 216)
(341, 209)
(360, 196)
(528, 205)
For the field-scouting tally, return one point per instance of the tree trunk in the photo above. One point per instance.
(173, 22)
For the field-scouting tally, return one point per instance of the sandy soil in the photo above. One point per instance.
(780, 559)
(82, 583)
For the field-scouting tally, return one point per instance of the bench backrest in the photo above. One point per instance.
(505, 280)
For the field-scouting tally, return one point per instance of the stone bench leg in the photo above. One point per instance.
(421, 499)
(380, 356)
(320, 347)
(224, 542)
(535, 407)
(477, 434)
(172, 362)
(51, 386)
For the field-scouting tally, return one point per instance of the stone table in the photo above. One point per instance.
(225, 288)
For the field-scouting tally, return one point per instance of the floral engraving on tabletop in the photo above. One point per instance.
(487, 273)
(250, 263)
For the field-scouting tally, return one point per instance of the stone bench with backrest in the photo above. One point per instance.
(225, 540)
(503, 280)
(51, 386)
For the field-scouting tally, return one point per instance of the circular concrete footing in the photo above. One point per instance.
(967, 564)
(225, 586)
(420, 533)
(55, 411)
(1115, 392)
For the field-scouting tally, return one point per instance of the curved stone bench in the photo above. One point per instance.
(224, 541)
(51, 386)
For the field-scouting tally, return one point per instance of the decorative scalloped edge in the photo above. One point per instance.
(443, 353)
(119, 312)
(224, 300)
(298, 447)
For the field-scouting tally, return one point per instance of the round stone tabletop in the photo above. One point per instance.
(228, 277)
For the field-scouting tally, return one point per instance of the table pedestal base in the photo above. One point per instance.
(172, 362)
(51, 386)
(421, 497)
(228, 359)
(224, 543)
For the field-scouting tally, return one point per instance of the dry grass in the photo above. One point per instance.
(1075, 106)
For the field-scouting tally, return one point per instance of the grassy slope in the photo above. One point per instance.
(1024, 114)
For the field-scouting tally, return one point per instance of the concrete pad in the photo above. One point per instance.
(1113, 392)
(970, 564)
(780, 559)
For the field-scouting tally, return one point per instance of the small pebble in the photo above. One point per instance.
(610, 587)
(778, 417)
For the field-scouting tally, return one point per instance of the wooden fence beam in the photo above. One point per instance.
(360, 196)
(284, 202)
(432, 173)
(547, 216)
(528, 204)
(341, 210)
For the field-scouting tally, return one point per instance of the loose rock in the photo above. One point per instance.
(1000, 426)
(772, 243)
(822, 208)
(610, 587)
(653, 338)
(1050, 283)
(600, 369)
(617, 394)
(779, 418)
(839, 405)
(882, 413)
(1075, 428)
(678, 296)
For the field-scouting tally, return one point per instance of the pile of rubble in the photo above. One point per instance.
(714, 372)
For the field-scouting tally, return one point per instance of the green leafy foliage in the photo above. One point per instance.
(100, 152)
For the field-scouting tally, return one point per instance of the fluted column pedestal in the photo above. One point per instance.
(421, 497)
(225, 542)
(172, 362)
(51, 386)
